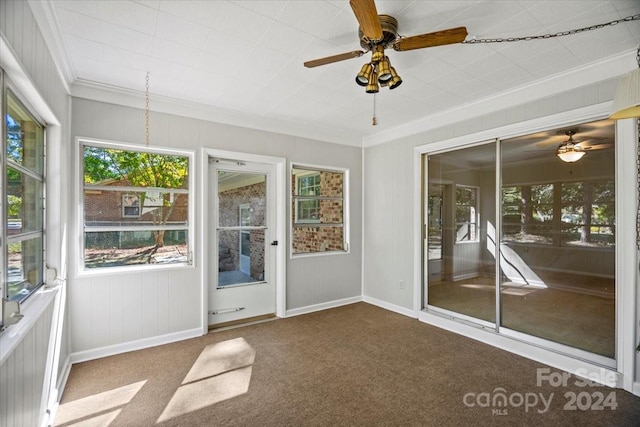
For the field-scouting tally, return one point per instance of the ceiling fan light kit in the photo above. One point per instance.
(626, 102)
(570, 153)
(380, 32)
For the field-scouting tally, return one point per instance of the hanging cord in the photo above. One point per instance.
(146, 111)
(638, 191)
(374, 121)
(558, 34)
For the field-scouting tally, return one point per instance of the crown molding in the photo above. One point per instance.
(612, 67)
(47, 22)
(162, 104)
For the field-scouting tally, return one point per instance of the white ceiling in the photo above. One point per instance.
(244, 58)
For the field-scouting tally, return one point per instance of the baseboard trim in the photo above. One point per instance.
(322, 306)
(97, 353)
(636, 388)
(578, 367)
(391, 307)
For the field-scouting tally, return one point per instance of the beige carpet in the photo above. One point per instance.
(356, 365)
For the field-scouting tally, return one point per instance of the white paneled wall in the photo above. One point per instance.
(111, 310)
(22, 376)
(117, 312)
(27, 371)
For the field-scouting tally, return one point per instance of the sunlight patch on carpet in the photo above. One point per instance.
(221, 372)
(97, 409)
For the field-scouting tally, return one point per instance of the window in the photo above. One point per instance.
(318, 210)
(466, 214)
(308, 210)
(569, 213)
(23, 193)
(136, 204)
(130, 206)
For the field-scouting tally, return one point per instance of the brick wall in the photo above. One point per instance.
(309, 238)
(230, 201)
(106, 206)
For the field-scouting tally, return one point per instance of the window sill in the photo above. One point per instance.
(316, 254)
(32, 310)
(99, 271)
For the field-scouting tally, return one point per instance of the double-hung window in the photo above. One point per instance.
(466, 214)
(23, 192)
(136, 205)
(318, 210)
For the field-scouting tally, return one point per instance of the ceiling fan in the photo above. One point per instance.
(380, 32)
(571, 150)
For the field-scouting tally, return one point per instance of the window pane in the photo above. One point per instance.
(241, 256)
(24, 137)
(563, 291)
(317, 199)
(115, 208)
(317, 183)
(25, 267)
(126, 248)
(115, 167)
(461, 277)
(317, 239)
(24, 203)
(129, 188)
(242, 199)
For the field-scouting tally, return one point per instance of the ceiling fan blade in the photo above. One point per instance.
(367, 16)
(438, 38)
(334, 58)
(596, 147)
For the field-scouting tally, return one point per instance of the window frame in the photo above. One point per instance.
(292, 217)
(476, 207)
(82, 142)
(35, 235)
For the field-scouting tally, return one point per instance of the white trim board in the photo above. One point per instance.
(611, 67)
(111, 350)
(391, 307)
(569, 364)
(322, 306)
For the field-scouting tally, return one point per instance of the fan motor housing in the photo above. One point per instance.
(389, 26)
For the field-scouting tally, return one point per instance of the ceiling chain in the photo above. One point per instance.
(146, 111)
(559, 34)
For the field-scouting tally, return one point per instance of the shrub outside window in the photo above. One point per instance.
(136, 206)
(318, 210)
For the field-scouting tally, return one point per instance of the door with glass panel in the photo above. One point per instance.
(530, 238)
(241, 230)
(463, 247)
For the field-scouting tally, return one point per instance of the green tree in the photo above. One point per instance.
(140, 169)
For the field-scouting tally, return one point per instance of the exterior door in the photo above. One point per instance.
(241, 241)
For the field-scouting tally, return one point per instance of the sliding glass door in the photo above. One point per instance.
(460, 265)
(554, 224)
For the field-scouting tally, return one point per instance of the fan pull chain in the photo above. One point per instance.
(146, 111)
(374, 121)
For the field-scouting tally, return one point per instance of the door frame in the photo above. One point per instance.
(279, 164)
(626, 252)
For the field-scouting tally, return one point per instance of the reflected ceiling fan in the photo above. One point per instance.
(380, 32)
(572, 150)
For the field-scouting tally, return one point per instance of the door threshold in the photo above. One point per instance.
(242, 322)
